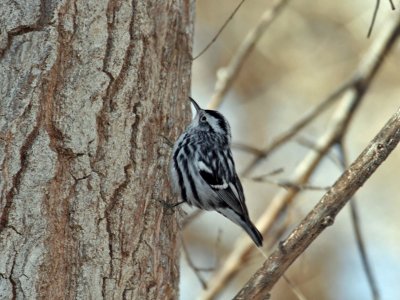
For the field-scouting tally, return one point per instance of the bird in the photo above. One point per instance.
(203, 170)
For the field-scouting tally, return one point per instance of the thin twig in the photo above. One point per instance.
(219, 31)
(363, 76)
(230, 72)
(264, 177)
(371, 26)
(296, 291)
(299, 125)
(216, 246)
(310, 145)
(392, 5)
(324, 213)
(226, 76)
(189, 219)
(276, 234)
(192, 266)
(287, 184)
(363, 253)
(247, 148)
(281, 200)
(357, 232)
(272, 173)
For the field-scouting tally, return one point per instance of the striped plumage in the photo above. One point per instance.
(203, 171)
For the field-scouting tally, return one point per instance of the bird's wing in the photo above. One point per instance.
(217, 169)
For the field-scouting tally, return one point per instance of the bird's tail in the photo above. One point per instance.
(253, 232)
(243, 221)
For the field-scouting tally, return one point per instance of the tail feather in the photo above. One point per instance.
(253, 232)
(244, 222)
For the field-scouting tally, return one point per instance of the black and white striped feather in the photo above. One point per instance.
(203, 171)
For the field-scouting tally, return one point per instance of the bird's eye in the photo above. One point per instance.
(203, 118)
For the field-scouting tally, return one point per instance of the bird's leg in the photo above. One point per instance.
(169, 206)
(167, 141)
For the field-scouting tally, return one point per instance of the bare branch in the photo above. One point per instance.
(299, 125)
(371, 26)
(191, 264)
(324, 212)
(287, 184)
(247, 148)
(227, 75)
(220, 30)
(362, 78)
(310, 145)
(357, 231)
(189, 219)
(283, 198)
(265, 176)
(392, 5)
(296, 291)
(375, 14)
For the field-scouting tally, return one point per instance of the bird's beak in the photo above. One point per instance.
(196, 106)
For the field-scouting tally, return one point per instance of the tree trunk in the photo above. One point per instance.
(88, 90)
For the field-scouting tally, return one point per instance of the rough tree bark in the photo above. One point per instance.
(88, 89)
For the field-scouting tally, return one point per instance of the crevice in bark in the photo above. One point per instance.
(135, 130)
(40, 25)
(20, 30)
(120, 78)
(13, 282)
(14, 229)
(16, 181)
(24, 29)
(117, 191)
(46, 12)
(59, 238)
(110, 27)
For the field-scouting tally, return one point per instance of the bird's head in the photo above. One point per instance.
(210, 121)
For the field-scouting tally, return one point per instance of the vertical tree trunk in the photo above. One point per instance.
(88, 89)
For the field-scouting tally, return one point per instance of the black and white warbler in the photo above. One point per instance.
(203, 171)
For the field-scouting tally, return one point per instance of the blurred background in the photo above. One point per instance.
(307, 53)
